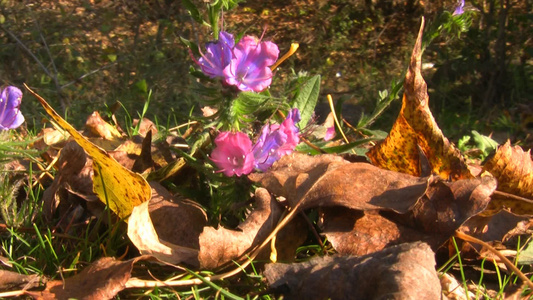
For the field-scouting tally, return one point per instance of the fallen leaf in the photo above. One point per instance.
(375, 208)
(447, 205)
(73, 174)
(172, 242)
(145, 127)
(453, 289)
(406, 271)
(414, 129)
(327, 180)
(116, 186)
(103, 279)
(11, 280)
(513, 168)
(96, 126)
(499, 227)
(190, 241)
(222, 245)
(358, 233)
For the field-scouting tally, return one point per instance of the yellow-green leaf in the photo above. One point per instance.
(116, 186)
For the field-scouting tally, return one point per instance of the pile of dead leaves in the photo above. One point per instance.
(385, 219)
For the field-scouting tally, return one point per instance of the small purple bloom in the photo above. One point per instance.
(233, 153)
(276, 141)
(218, 55)
(249, 69)
(10, 115)
(459, 10)
(265, 149)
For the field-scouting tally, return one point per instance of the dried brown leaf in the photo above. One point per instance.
(103, 279)
(97, 127)
(73, 176)
(188, 241)
(151, 232)
(11, 280)
(220, 246)
(405, 271)
(326, 180)
(499, 227)
(448, 205)
(145, 127)
(353, 232)
(434, 218)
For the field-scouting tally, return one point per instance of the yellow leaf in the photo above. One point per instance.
(116, 186)
(415, 130)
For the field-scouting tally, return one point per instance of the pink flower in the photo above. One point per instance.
(288, 127)
(233, 153)
(249, 69)
(330, 133)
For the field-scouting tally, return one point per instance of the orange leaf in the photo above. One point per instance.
(415, 129)
(514, 170)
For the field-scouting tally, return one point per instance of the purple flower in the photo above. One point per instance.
(218, 55)
(10, 115)
(276, 141)
(233, 153)
(249, 69)
(265, 149)
(459, 10)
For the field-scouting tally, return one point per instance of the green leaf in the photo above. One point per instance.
(193, 10)
(142, 86)
(112, 57)
(526, 256)
(484, 143)
(335, 149)
(306, 99)
(246, 104)
(191, 45)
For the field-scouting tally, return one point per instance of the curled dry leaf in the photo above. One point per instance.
(447, 205)
(220, 246)
(145, 127)
(151, 232)
(406, 271)
(500, 227)
(98, 127)
(327, 180)
(73, 177)
(415, 128)
(514, 170)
